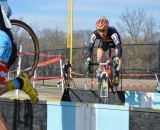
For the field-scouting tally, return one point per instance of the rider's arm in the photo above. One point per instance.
(119, 55)
(63, 69)
(117, 41)
(119, 50)
(92, 40)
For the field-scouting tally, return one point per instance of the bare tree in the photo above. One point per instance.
(52, 39)
(80, 38)
(149, 30)
(137, 25)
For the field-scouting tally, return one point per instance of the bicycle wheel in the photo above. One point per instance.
(72, 83)
(66, 83)
(25, 36)
(103, 89)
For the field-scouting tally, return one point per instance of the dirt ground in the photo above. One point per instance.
(125, 84)
(48, 90)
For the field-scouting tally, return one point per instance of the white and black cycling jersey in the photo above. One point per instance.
(112, 40)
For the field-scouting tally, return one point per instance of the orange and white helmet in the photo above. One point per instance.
(102, 23)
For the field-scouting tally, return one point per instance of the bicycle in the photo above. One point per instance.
(18, 28)
(106, 78)
(69, 82)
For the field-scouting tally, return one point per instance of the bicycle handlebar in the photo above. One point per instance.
(103, 63)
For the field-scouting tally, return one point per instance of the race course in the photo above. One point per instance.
(140, 106)
(48, 90)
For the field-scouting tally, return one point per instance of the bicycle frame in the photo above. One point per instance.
(105, 79)
(68, 82)
(106, 76)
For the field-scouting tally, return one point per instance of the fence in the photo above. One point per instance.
(137, 59)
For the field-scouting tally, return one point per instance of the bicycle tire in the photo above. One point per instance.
(66, 83)
(72, 83)
(102, 99)
(35, 42)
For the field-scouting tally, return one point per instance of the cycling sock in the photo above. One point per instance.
(14, 84)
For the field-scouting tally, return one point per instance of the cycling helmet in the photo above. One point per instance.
(67, 60)
(6, 8)
(5, 13)
(102, 23)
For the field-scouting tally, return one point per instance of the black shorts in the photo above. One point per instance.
(105, 46)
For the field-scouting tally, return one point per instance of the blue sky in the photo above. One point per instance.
(53, 13)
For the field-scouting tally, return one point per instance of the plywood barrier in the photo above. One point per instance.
(139, 111)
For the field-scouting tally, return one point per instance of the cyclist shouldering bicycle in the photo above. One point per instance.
(8, 55)
(66, 67)
(109, 38)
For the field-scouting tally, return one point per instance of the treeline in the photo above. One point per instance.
(139, 32)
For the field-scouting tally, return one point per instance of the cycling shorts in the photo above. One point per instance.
(5, 47)
(3, 72)
(104, 46)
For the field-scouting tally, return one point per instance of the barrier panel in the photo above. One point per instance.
(139, 111)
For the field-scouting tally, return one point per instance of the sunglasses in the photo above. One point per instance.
(102, 30)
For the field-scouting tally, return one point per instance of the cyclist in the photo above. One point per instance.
(109, 38)
(66, 68)
(8, 54)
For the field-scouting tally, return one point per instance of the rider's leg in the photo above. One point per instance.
(22, 82)
(119, 62)
(100, 56)
(116, 78)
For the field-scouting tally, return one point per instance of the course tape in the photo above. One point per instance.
(126, 85)
(49, 61)
(121, 75)
(46, 78)
(41, 54)
(56, 59)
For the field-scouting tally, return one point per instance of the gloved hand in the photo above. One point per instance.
(115, 62)
(88, 64)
